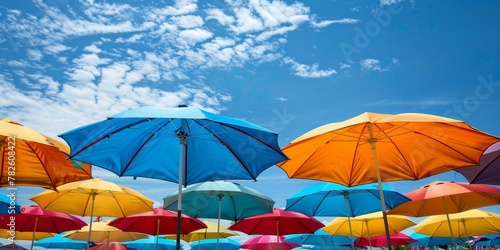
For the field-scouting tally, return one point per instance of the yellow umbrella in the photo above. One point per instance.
(102, 232)
(367, 225)
(465, 224)
(30, 158)
(379, 147)
(94, 197)
(7, 234)
(205, 233)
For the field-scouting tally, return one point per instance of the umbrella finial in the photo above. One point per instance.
(182, 106)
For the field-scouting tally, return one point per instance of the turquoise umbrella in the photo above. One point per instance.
(8, 204)
(150, 244)
(61, 243)
(212, 244)
(319, 238)
(426, 240)
(487, 240)
(220, 200)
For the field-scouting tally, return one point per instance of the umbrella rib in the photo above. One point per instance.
(41, 162)
(232, 152)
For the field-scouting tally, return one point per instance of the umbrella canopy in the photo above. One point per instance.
(487, 240)
(425, 240)
(268, 242)
(212, 231)
(279, 222)
(367, 225)
(464, 224)
(398, 239)
(328, 199)
(13, 246)
(103, 232)
(151, 243)
(8, 204)
(441, 197)
(203, 145)
(60, 242)
(18, 235)
(34, 219)
(486, 171)
(410, 146)
(110, 246)
(30, 158)
(156, 222)
(211, 244)
(319, 238)
(236, 202)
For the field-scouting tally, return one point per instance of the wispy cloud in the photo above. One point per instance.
(308, 71)
(372, 65)
(281, 99)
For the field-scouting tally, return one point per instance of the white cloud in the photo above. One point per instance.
(395, 61)
(323, 24)
(92, 49)
(34, 55)
(55, 48)
(308, 71)
(389, 2)
(281, 99)
(246, 21)
(217, 14)
(191, 37)
(344, 66)
(188, 21)
(372, 65)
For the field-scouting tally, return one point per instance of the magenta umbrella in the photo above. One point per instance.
(268, 242)
(487, 170)
(398, 239)
(34, 219)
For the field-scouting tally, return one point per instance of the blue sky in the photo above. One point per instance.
(289, 66)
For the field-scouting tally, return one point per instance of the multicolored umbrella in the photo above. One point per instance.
(94, 197)
(410, 146)
(34, 219)
(398, 239)
(30, 158)
(156, 222)
(268, 242)
(204, 146)
(487, 170)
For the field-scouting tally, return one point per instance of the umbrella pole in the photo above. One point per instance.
(34, 231)
(218, 221)
(91, 217)
(369, 238)
(466, 234)
(278, 233)
(449, 223)
(346, 199)
(373, 142)
(182, 138)
(157, 232)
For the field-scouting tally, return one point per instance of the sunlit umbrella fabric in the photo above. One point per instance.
(398, 239)
(268, 242)
(103, 232)
(210, 232)
(30, 158)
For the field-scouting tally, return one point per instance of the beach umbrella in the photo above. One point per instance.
(184, 145)
(221, 200)
(30, 158)
(9, 204)
(60, 242)
(486, 240)
(102, 232)
(442, 197)
(34, 219)
(487, 170)
(156, 222)
(426, 240)
(151, 243)
(368, 225)
(398, 239)
(110, 246)
(18, 235)
(319, 238)
(213, 244)
(12, 246)
(212, 231)
(464, 225)
(268, 242)
(375, 147)
(94, 197)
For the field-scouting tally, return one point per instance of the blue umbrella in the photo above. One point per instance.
(9, 205)
(220, 200)
(487, 240)
(331, 199)
(150, 244)
(324, 248)
(150, 142)
(426, 240)
(61, 242)
(319, 238)
(211, 244)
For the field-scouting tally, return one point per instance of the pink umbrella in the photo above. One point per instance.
(268, 242)
(34, 219)
(398, 239)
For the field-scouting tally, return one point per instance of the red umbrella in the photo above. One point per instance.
(156, 222)
(34, 219)
(268, 242)
(398, 239)
(279, 222)
(110, 246)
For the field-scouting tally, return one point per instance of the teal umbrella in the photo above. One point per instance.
(212, 244)
(150, 244)
(319, 238)
(61, 243)
(220, 200)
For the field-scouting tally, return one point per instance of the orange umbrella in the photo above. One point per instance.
(410, 146)
(30, 158)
